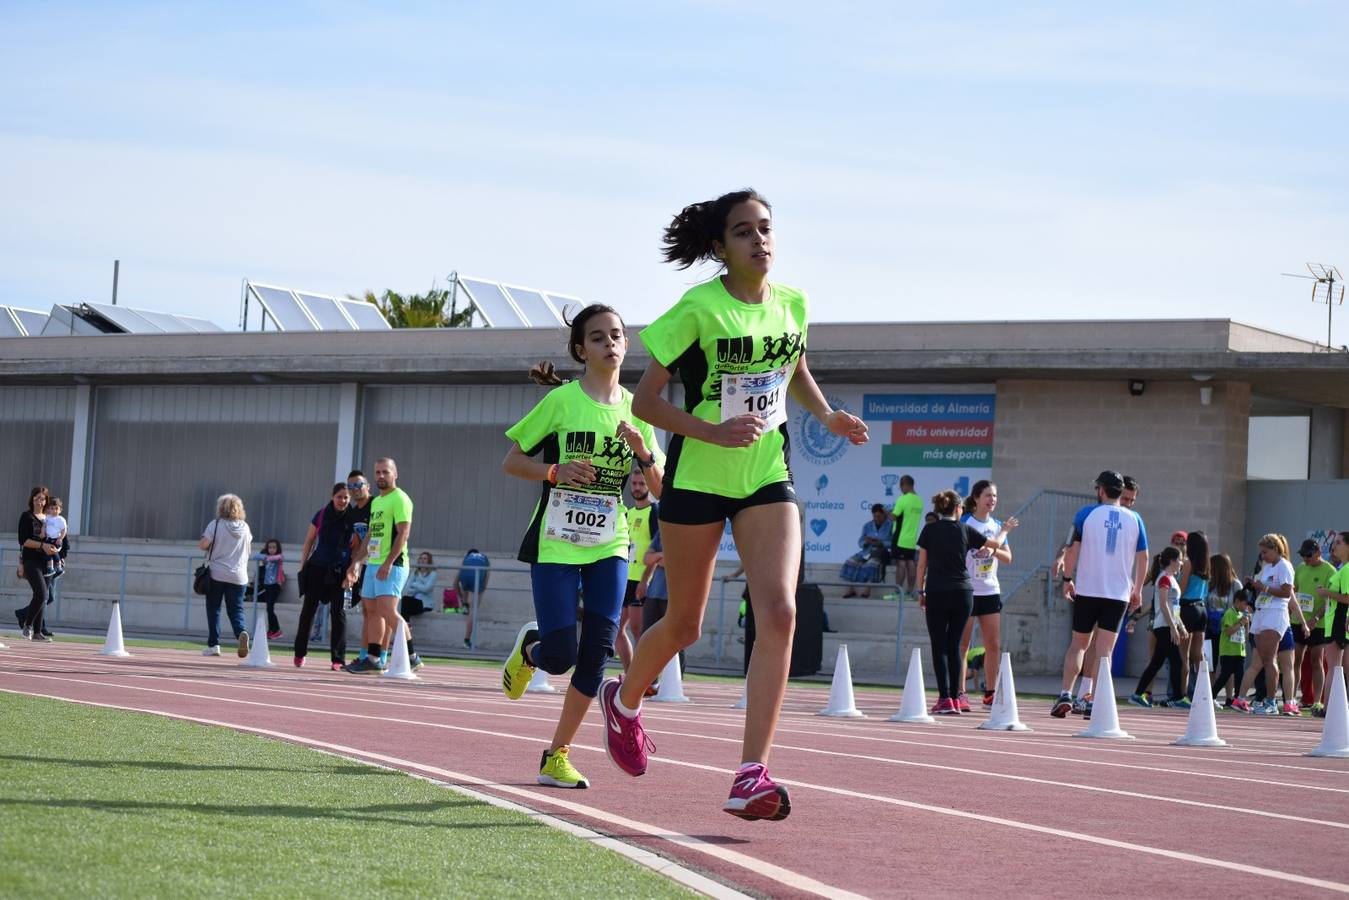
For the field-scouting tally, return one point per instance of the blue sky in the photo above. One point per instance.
(964, 161)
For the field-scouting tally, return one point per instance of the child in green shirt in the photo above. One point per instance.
(1232, 647)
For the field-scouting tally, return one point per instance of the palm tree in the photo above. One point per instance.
(419, 310)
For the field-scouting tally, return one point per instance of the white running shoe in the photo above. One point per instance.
(213, 650)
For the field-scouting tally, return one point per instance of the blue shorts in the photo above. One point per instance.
(372, 586)
(1286, 642)
(557, 585)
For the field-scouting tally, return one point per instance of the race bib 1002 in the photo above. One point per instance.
(762, 394)
(586, 520)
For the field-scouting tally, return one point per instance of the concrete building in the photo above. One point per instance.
(141, 432)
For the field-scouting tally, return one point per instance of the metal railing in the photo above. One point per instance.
(1045, 520)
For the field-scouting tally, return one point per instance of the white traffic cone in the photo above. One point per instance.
(1335, 731)
(1201, 729)
(538, 683)
(1104, 714)
(112, 645)
(743, 701)
(258, 655)
(400, 664)
(913, 702)
(1004, 716)
(841, 704)
(671, 689)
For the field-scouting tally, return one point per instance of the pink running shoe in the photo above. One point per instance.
(1242, 704)
(963, 702)
(299, 662)
(1290, 709)
(625, 741)
(755, 796)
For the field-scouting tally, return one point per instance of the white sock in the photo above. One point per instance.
(747, 765)
(1086, 686)
(628, 713)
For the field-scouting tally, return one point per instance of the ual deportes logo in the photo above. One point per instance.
(819, 445)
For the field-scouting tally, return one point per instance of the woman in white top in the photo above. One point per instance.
(982, 564)
(226, 541)
(1275, 603)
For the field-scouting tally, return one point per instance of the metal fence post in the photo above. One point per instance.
(121, 588)
(187, 594)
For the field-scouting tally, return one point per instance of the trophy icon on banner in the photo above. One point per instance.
(890, 480)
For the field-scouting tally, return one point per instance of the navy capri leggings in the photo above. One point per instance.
(557, 590)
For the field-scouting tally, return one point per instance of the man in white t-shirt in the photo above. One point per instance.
(1103, 573)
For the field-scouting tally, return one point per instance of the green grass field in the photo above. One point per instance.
(103, 803)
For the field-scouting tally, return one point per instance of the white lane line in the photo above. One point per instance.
(1003, 776)
(787, 877)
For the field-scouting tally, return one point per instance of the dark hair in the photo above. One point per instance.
(1224, 574)
(979, 487)
(930, 516)
(1130, 483)
(1196, 550)
(40, 489)
(355, 473)
(877, 508)
(545, 373)
(1168, 555)
(689, 236)
(945, 502)
(54, 501)
(906, 481)
(267, 543)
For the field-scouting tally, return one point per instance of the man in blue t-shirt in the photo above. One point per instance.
(1103, 573)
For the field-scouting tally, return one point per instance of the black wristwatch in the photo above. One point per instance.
(645, 463)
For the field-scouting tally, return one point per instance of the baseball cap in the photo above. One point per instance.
(1111, 481)
(1308, 548)
(1179, 535)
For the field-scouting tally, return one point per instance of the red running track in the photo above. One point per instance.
(879, 809)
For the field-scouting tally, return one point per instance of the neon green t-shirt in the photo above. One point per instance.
(580, 524)
(387, 510)
(1235, 643)
(909, 510)
(1339, 583)
(715, 342)
(639, 536)
(1306, 579)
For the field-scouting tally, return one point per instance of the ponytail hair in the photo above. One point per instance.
(1168, 555)
(689, 236)
(1276, 542)
(945, 503)
(545, 373)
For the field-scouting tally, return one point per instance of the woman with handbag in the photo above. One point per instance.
(226, 541)
(323, 563)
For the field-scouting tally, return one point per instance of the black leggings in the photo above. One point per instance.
(270, 594)
(321, 586)
(947, 613)
(35, 616)
(1229, 667)
(1168, 652)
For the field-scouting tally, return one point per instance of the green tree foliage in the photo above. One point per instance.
(434, 309)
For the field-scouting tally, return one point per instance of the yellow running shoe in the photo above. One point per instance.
(556, 770)
(515, 674)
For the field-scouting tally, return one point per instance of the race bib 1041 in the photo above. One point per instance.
(762, 394)
(586, 520)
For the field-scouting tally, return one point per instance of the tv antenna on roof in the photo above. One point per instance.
(1328, 289)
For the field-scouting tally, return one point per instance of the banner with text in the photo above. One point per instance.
(940, 435)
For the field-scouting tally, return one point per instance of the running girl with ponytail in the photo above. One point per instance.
(738, 343)
(578, 534)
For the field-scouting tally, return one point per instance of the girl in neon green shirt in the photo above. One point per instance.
(738, 343)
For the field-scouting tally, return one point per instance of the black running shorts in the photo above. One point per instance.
(679, 506)
(1097, 612)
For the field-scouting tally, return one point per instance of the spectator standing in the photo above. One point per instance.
(1222, 591)
(1313, 574)
(907, 516)
(34, 554)
(945, 594)
(226, 541)
(1109, 556)
(1195, 573)
(272, 577)
(864, 566)
(642, 524)
(472, 583)
(1232, 648)
(323, 564)
(1169, 629)
(1337, 593)
(420, 591)
(384, 553)
(357, 519)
